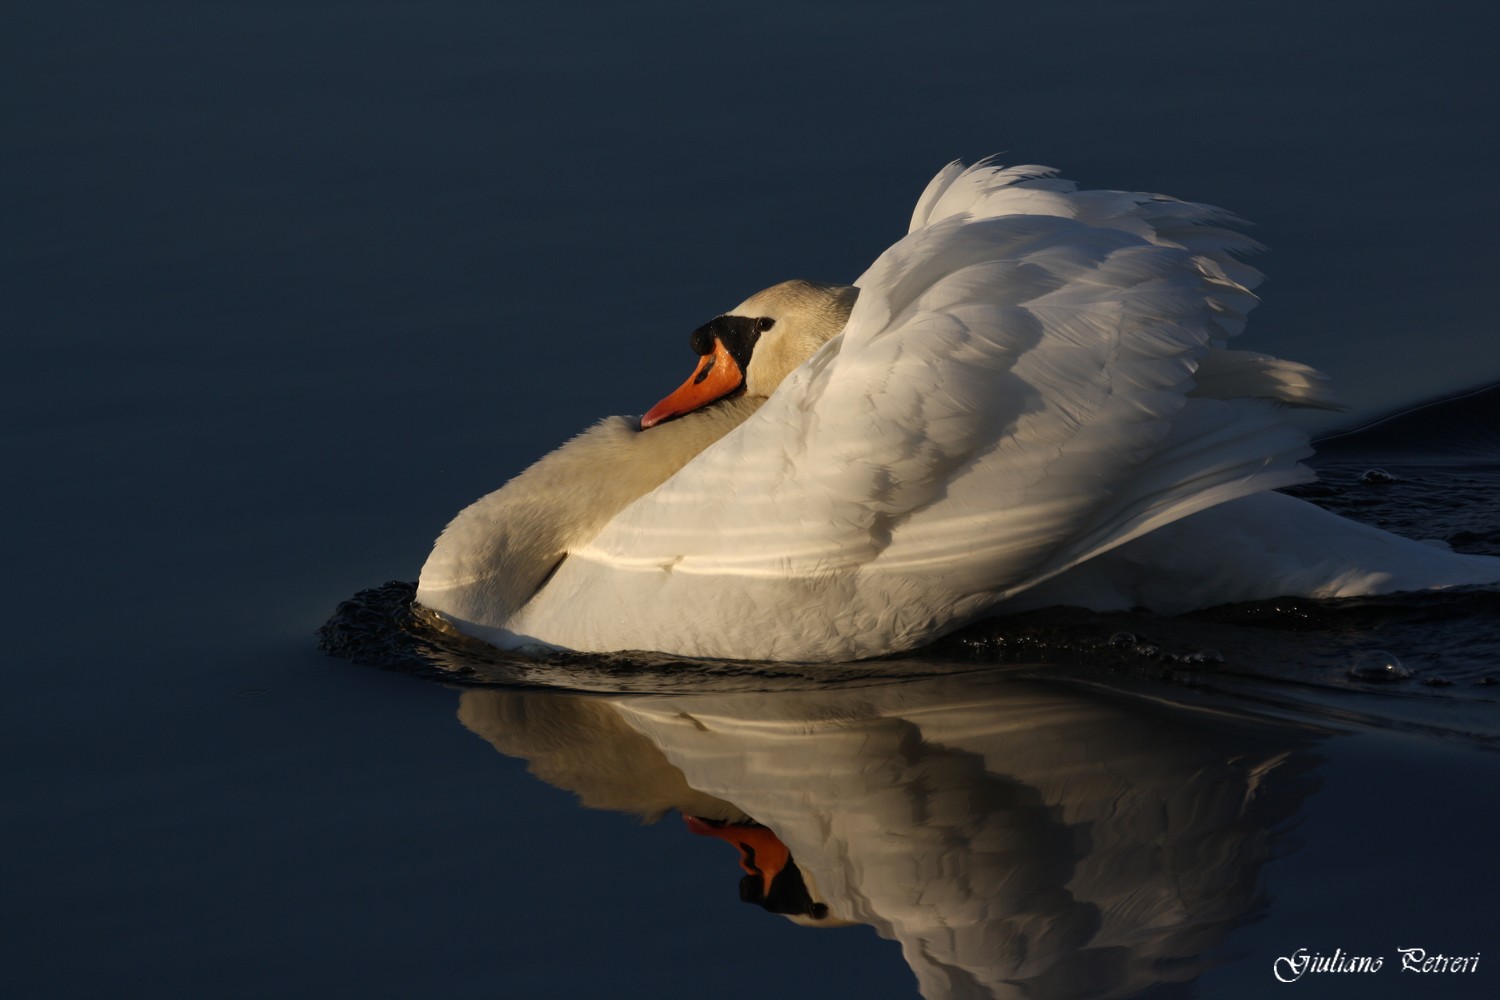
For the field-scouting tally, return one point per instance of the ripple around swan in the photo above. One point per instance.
(1293, 653)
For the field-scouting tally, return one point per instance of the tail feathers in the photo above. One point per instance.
(1216, 452)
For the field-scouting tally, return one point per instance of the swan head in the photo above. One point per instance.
(749, 350)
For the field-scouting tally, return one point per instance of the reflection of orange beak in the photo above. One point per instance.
(717, 375)
(762, 853)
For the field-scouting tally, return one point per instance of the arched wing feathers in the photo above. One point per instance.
(1015, 391)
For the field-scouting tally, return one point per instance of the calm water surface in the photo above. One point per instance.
(286, 285)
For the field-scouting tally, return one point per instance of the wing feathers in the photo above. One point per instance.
(1032, 376)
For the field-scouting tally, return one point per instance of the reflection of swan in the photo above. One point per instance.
(1016, 839)
(1027, 400)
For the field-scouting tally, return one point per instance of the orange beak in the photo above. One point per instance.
(762, 853)
(717, 375)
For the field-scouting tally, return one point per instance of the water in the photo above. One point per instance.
(286, 285)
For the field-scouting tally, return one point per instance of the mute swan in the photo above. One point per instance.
(1027, 400)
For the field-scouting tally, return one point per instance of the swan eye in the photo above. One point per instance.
(763, 324)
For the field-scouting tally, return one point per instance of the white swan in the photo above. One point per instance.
(1027, 400)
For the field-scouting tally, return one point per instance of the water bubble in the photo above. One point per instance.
(1123, 639)
(1377, 476)
(1203, 657)
(1378, 665)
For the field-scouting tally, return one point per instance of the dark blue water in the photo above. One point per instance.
(286, 285)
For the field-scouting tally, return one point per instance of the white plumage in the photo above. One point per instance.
(1033, 378)
(1017, 839)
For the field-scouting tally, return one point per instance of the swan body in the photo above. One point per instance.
(1030, 399)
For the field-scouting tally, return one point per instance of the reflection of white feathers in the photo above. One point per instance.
(1031, 378)
(1015, 839)
(583, 745)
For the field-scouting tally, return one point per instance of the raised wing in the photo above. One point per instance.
(1012, 395)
